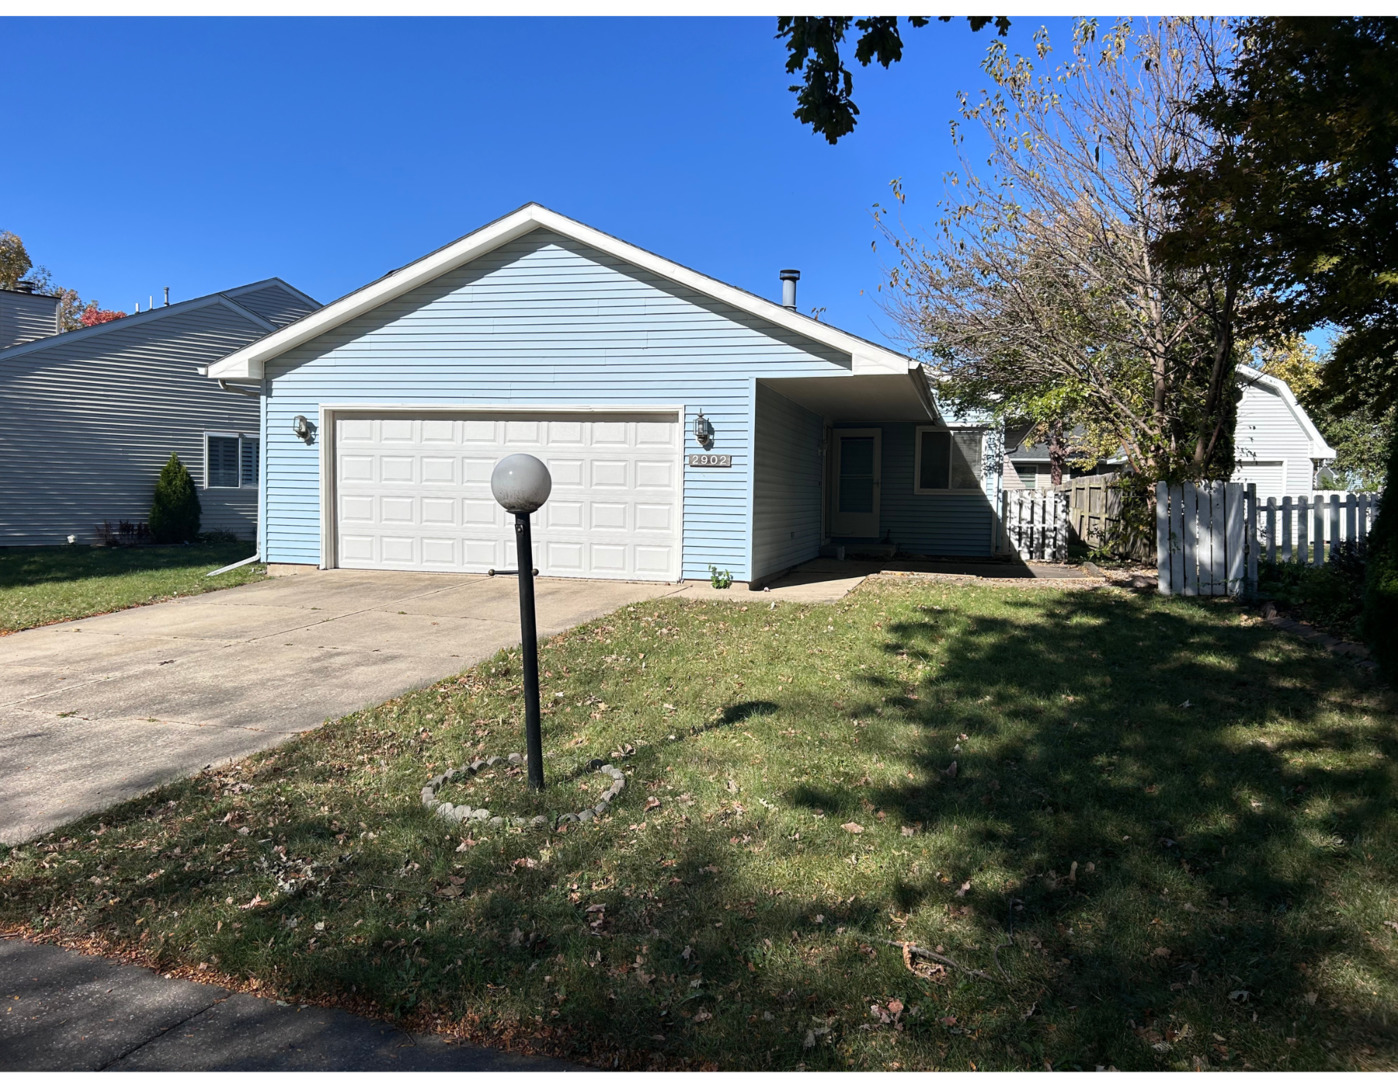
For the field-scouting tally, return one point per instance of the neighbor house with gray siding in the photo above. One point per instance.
(88, 417)
(686, 423)
(26, 315)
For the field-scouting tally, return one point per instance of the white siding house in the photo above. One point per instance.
(387, 410)
(89, 417)
(1277, 446)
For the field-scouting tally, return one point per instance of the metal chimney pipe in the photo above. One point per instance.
(789, 280)
(167, 296)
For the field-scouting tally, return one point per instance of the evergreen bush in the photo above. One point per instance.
(1379, 623)
(174, 515)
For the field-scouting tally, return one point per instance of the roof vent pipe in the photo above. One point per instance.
(789, 280)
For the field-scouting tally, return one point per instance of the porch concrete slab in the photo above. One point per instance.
(107, 708)
(66, 1011)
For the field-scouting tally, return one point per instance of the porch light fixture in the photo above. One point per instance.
(303, 429)
(703, 430)
(521, 484)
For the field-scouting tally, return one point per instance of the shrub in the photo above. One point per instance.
(1379, 623)
(1331, 595)
(174, 515)
(218, 536)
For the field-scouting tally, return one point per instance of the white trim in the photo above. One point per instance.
(329, 413)
(1319, 447)
(951, 431)
(249, 362)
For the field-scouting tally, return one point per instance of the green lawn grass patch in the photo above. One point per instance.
(40, 585)
(1170, 840)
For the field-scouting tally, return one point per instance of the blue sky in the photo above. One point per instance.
(205, 153)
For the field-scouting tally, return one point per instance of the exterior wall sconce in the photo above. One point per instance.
(703, 430)
(303, 429)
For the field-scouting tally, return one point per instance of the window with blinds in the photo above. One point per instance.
(232, 461)
(948, 460)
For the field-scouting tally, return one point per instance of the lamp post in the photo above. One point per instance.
(521, 484)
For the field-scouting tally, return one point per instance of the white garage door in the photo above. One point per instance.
(1269, 476)
(413, 493)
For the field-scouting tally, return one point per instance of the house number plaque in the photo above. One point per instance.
(711, 461)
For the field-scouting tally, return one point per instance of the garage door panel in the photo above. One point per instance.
(480, 512)
(439, 470)
(413, 492)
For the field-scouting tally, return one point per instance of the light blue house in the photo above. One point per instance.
(687, 423)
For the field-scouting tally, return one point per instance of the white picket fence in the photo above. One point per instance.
(1034, 524)
(1210, 538)
(1310, 528)
(1201, 533)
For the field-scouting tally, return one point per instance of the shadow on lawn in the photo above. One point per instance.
(80, 562)
(1118, 739)
(648, 947)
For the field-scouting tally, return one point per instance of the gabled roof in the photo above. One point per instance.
(1270, 383)
(248, 362)
(228, 299)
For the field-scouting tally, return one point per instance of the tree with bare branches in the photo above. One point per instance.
(1037, 295)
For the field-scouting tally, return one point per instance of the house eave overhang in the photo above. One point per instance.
(872, 396)
(250, 361)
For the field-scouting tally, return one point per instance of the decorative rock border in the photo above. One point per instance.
(480, 815)
(1356, 652)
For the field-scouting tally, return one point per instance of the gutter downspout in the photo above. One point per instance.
(254, 557)
(247, 391)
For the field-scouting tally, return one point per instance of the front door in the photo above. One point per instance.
(857, 459)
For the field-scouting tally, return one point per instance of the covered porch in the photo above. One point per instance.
(868, 465)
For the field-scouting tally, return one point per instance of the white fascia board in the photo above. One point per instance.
(249, 362)
(1319, 447)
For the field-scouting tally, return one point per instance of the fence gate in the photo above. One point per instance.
(1035, 524)
(1206, 538)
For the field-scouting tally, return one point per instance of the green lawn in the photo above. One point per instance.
(40, 585)
(1170, 841)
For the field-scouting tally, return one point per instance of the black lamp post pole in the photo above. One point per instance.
(529, 647)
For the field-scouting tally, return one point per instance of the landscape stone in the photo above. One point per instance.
(539, 822)
(567, 819)
(444, 809)
(600, 809)
(497, 821)
(515, 759)
(481, 814)
(586, 816)
(475, 766)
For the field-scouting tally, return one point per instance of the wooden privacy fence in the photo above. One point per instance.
(1201, 533)
(1094, 506)
(1034, 524)
(1310, 529)
(1211, 537)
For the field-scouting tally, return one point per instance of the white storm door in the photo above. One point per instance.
(858, 459)
(412, 492)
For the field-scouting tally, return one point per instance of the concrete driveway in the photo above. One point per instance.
(96, 711)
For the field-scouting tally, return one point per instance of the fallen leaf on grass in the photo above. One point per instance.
(652, 804)
(964, 889)
(907, 830)
(950, 771)
(526, 862)
(852, 827)
(702, 1015)
(255, 902)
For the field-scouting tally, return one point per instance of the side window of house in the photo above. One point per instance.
(233, 461)
(250, 452)
(948, 460)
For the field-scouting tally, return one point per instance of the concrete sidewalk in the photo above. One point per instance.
(61, 1010)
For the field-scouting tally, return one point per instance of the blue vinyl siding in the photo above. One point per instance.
(940, 524)
(787, 484)
(542, 320)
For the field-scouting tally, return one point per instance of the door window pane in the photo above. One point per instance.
(856, 495)
(857, 457)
